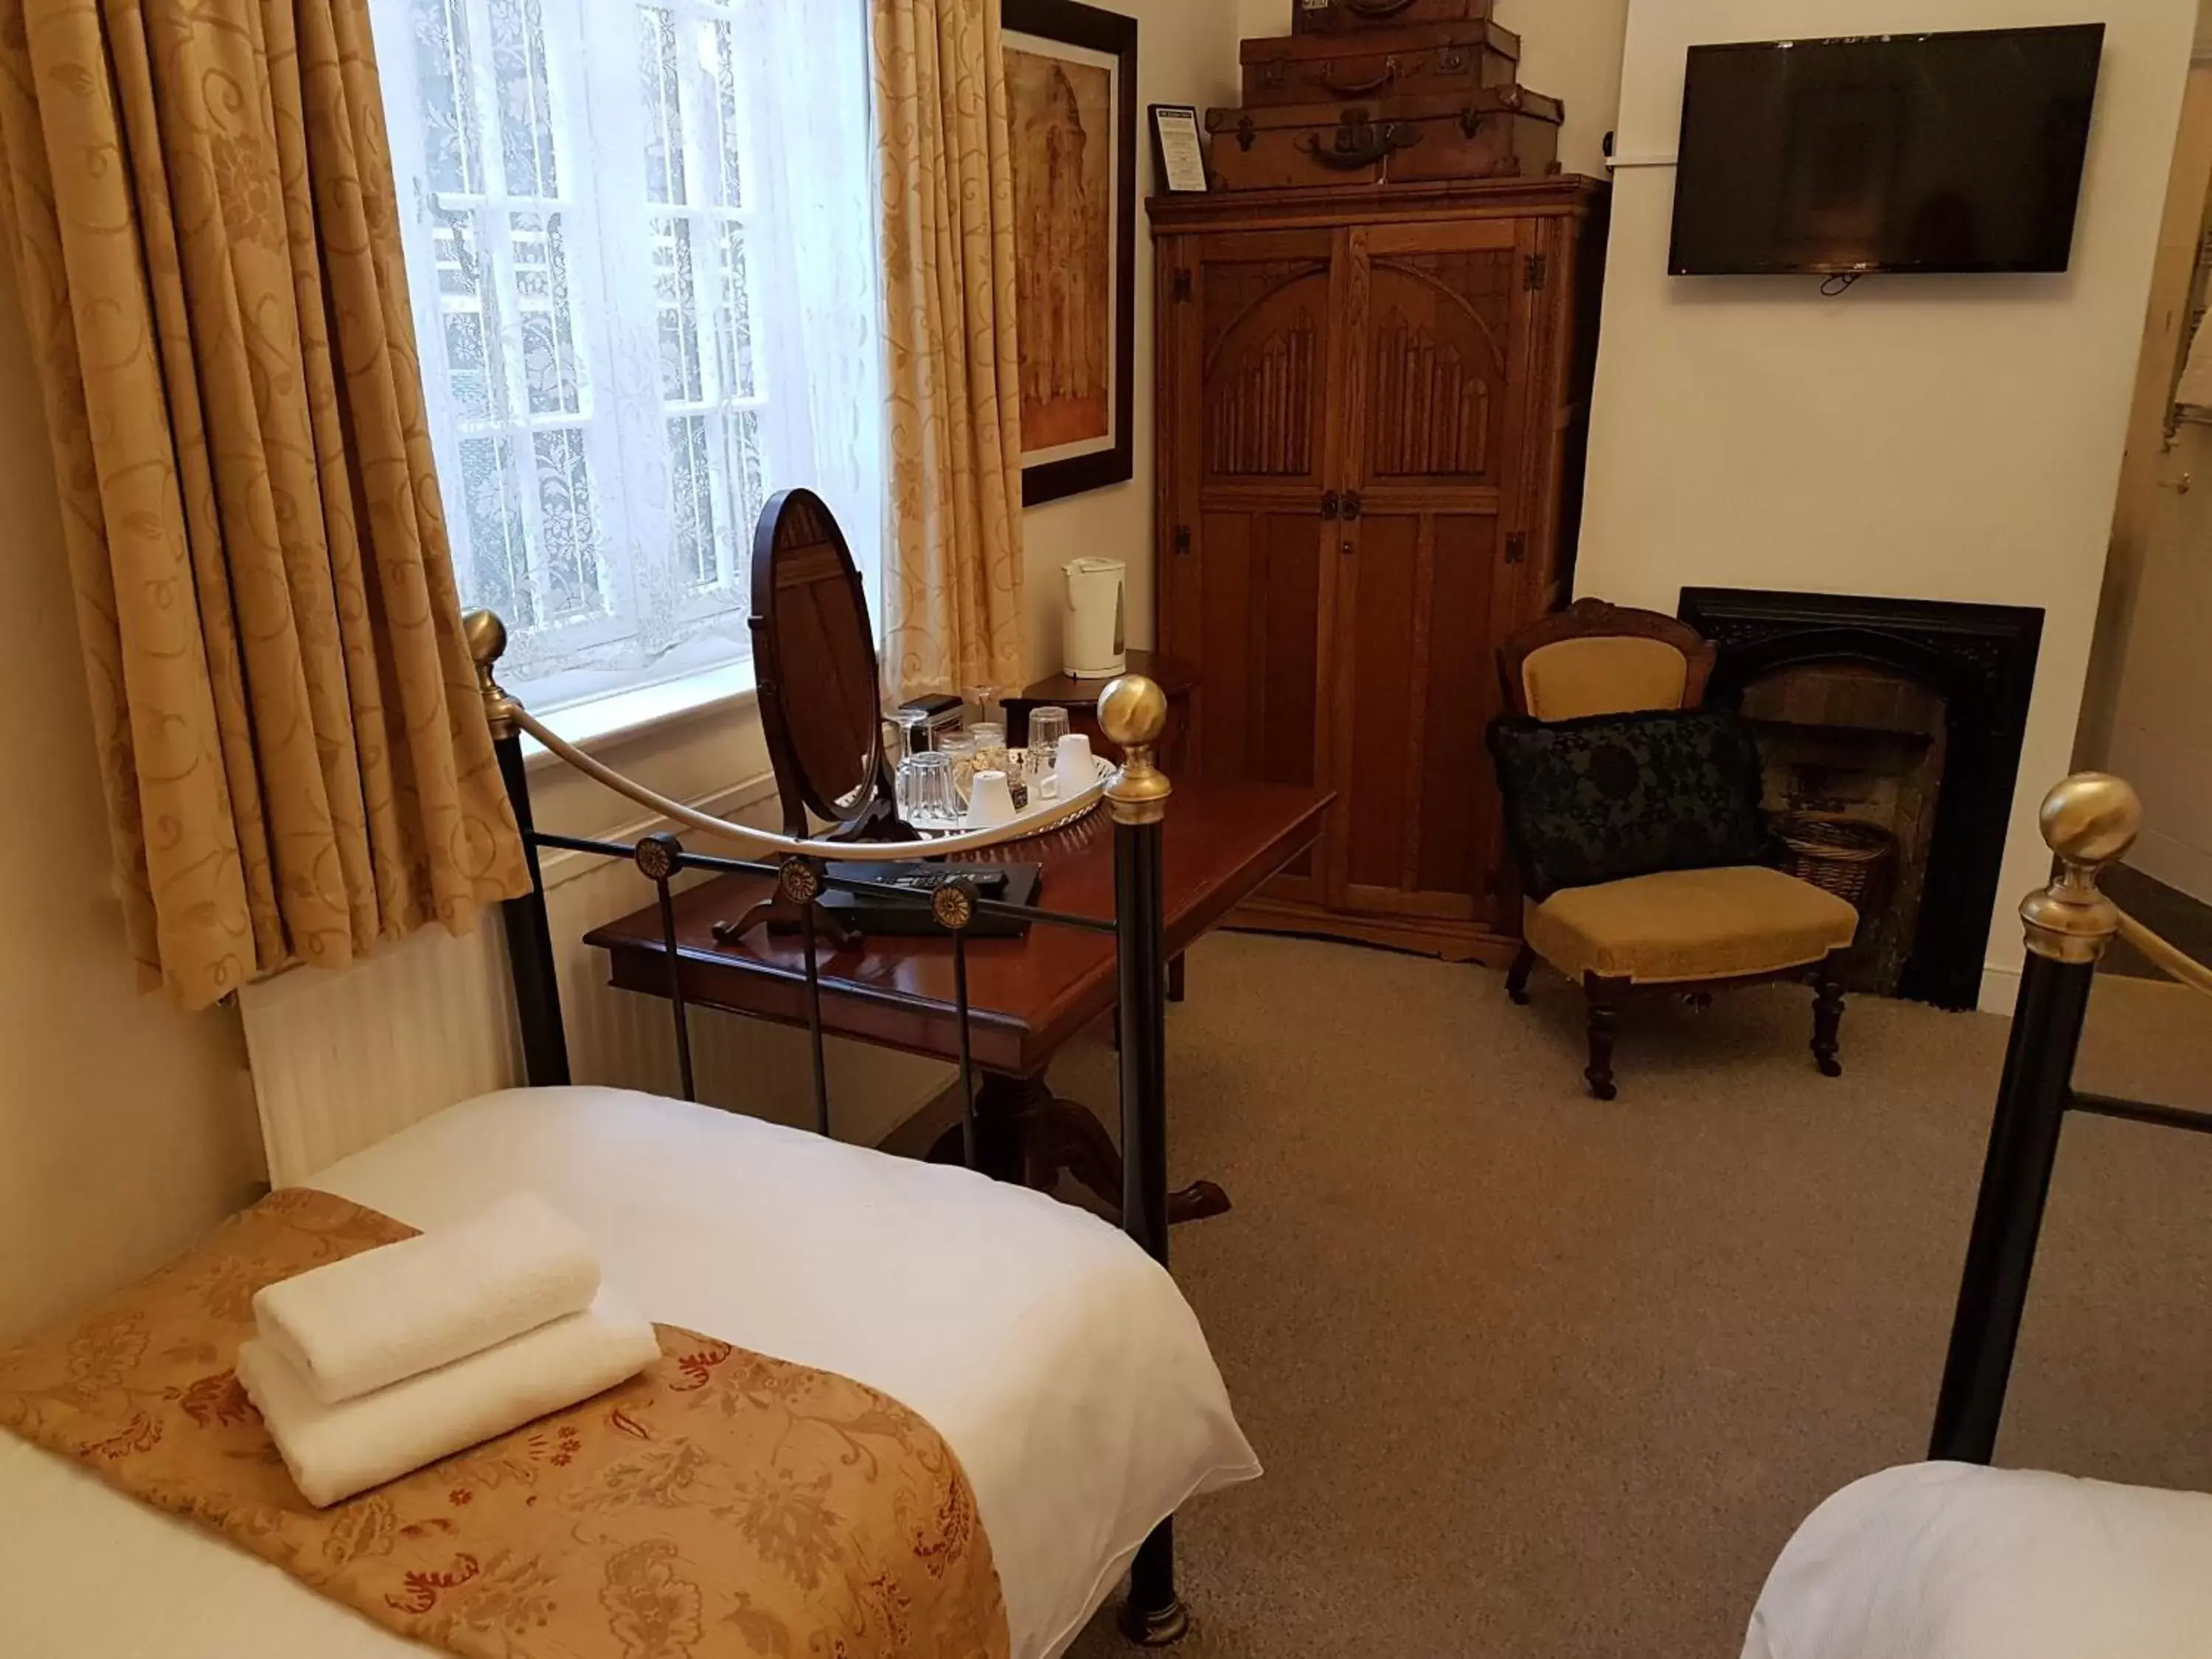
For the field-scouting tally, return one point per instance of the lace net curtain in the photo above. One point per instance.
(641, 245)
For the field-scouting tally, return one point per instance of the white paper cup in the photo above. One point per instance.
(1074, 765)
(990, 802)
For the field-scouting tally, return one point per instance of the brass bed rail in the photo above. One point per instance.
(2089, 821)
(1133, 713)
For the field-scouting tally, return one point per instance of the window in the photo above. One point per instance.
(641, 248)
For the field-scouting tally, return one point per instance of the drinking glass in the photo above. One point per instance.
(914, 732)
(1047, 725)
(981, 706)
(924, 790)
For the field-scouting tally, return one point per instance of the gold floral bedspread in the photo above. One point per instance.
(721, 1503)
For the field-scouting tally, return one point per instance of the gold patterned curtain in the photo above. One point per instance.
(955, 571)
(198, 198)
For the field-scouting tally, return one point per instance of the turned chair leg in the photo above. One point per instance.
(1827, 1016)
(1516, 977)
(1603, 996)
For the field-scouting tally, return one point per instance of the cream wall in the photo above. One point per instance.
(1185, 54)
(1939, 437)
(126, 1127)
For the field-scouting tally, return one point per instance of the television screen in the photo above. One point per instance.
(1915, 153)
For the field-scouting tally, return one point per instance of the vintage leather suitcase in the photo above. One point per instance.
(1490, 132)
(1345, 16)
(1312, 68)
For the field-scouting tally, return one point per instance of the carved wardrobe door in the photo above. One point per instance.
(1431, 547)
(1243, 589)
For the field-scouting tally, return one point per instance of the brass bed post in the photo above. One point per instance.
(2089, 821)
(529, 931)
(1132, 713)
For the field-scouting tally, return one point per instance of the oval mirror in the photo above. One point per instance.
(814, 654)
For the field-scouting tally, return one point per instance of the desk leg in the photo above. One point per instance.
(1175, 980)
(1028, 1135)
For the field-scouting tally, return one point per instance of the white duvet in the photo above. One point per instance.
(1059, 1362)
(1951, 1561)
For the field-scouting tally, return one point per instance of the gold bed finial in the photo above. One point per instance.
(487, 637)
(487, 641)
(2089, 821)
(1132, 712)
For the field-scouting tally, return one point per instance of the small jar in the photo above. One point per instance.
(990, 746)
(958, 748)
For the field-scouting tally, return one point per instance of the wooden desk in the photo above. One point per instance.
(1027, 996)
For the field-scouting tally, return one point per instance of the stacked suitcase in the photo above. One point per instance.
(1376, 91)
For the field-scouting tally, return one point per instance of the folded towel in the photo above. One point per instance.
(390, 1312)
(335, 1451)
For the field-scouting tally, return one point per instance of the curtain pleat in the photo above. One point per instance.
(955, 566)
(198, 197)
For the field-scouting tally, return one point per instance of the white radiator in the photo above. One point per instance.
(342, 1060)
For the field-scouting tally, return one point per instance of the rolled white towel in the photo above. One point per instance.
(403, 1309)
(335, 1451)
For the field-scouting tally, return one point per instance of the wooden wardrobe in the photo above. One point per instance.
(1372, 405)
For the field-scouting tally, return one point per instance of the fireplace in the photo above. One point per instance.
(1907, 715)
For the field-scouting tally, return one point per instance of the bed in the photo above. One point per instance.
(1051, 1350)
(1951, 1558)
(1956, 1561)
(1097, 1412)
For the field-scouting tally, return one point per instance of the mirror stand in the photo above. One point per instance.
(814, 658)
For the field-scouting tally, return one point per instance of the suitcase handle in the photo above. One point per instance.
(1361, 89)
(1359, 144)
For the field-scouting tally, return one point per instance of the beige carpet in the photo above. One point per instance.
(1534, 1375)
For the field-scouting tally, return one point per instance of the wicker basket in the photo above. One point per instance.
(1838, 855)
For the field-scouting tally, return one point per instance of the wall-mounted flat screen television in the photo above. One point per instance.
(1906, 153)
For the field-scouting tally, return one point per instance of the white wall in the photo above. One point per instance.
(1187, 54)
(1938, 437)
(126, 1128)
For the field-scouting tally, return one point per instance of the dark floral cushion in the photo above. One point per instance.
(1620, 795)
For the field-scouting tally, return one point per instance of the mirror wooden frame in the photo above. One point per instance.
(868, 811)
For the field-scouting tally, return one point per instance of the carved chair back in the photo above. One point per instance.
(1600, 659)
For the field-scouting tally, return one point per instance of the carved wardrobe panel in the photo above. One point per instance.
(1371, 403)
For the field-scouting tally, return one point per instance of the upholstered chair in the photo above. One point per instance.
(1687, 930)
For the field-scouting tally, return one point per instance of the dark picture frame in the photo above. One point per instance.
(1162, 182)
(1090, 29)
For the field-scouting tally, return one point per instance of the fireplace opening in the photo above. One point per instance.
(1908, 714)
(1853, 743)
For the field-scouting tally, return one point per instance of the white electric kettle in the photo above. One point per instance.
(1093, 639)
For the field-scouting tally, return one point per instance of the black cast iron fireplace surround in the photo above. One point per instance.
(1981, 660)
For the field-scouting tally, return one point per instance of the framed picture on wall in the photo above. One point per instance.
(1072, 101)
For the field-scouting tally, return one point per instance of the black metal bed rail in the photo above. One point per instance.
(1133, 714)
(2090, 820)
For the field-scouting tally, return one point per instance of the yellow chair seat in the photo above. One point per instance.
(1683, 924)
